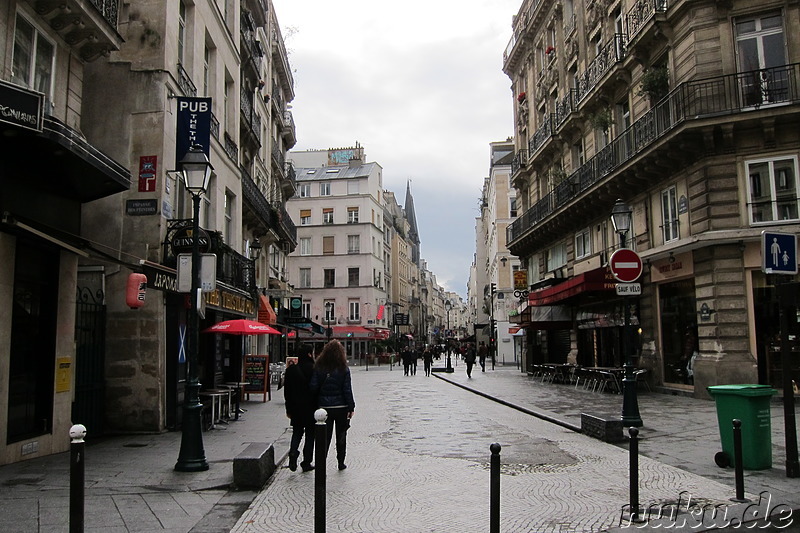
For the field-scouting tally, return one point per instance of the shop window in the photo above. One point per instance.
(669, 214)
(678, 309)
(772, 189)
(329, 277)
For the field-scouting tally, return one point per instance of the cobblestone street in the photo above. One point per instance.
(418, 460)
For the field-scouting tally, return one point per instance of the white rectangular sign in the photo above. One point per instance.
(208, 272)
(629, 289)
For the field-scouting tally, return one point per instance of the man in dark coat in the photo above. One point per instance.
(300, 407)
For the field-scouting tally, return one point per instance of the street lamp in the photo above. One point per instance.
(621, 216)
(328, 316)
(196, 170)
(448, 305)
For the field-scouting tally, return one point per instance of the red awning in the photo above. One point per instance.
(354, 332)
(599, 279)
(266, 315)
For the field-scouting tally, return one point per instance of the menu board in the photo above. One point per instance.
(256, 375)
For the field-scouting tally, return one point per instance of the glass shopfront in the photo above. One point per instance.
(601, 333)
(679, 346)
(768, 330)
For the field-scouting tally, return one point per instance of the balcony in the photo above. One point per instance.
(289, 132)
(185, 82)
(612, 53)
(642, 12)
(231, 148)
(88, 26)
(564, 108)
(278, 156)
(251, 120)
(682, 113)
(542, 135)
(519, 162)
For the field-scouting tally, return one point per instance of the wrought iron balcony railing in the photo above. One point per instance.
(520, 161)
(564, 107)
(542, 134)
(109, 9)
(185, 82)
(611, 53)
(641, 12)
(692, 100)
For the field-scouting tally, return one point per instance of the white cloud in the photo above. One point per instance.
(420, 85)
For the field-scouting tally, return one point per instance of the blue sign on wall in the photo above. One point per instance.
(193, 125)
(778, 253)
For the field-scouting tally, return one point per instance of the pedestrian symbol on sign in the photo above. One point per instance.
(778, 253)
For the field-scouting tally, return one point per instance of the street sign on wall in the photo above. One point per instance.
(778, 253)
(625, 265)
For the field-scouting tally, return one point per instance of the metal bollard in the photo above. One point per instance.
(634, 472)
(320, 455)
(76, 477)
(738, 467)
(494, 489)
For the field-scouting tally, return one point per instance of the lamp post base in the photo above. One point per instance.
(192, 457)
(630, 400)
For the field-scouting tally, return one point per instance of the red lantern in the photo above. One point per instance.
(135, 292)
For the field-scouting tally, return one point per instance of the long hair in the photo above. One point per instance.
(332, 358)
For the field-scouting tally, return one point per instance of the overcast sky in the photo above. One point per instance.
(419, 84)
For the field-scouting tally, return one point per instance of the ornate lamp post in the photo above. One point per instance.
(196, 171)
(621, 220)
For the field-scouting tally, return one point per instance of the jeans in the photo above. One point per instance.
(337, 416)
(300, 428)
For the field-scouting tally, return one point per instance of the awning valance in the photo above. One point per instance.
(266, 314)
(599, 279)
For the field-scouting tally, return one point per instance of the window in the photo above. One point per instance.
(305, 190)
(325, 189)
(760, 45)
(206, 69)
(305, 246)
(327, 245)
(305, 278)
(330, 311)
(669, 214)
(230, 200)
(33, 58)
(354, 244)
(352, 215)
(355, 311)
(353, 277)
(329, 277)
(583, 243)
(556, 256)
(327, 215)
(305, 217)
(772, 189)
(181, 30)
(352, 187)
(306, 308)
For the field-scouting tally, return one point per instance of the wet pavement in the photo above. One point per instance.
(418, 456)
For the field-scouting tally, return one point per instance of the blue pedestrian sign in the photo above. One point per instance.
(778, 253)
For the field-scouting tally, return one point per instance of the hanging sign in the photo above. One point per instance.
(193, 126)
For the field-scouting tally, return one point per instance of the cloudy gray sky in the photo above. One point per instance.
(419, 84)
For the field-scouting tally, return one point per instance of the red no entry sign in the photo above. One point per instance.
(625, 265)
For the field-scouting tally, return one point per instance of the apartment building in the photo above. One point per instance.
(52, 172)
(687, 111)
(222, 69)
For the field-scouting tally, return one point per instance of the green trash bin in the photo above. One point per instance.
(750, 404)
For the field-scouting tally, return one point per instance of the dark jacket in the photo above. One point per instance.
(300, 401)
(333, 389)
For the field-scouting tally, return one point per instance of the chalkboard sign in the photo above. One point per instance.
(256, 374)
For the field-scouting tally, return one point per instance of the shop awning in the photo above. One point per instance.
(599, 279)
(354, 332)
(266, 314)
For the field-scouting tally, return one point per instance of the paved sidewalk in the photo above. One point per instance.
(131, 484)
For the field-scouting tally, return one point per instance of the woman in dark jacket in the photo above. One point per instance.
(331, 382)
(300, 407)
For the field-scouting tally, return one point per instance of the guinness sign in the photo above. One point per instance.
(182, 241)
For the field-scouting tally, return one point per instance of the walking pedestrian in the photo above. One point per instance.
(483, 351)
(414, 357)
(331, 382)
(427, 359)
(405, 355)
(300, 407)
(469, 358)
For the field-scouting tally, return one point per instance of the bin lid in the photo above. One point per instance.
(746, 389)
